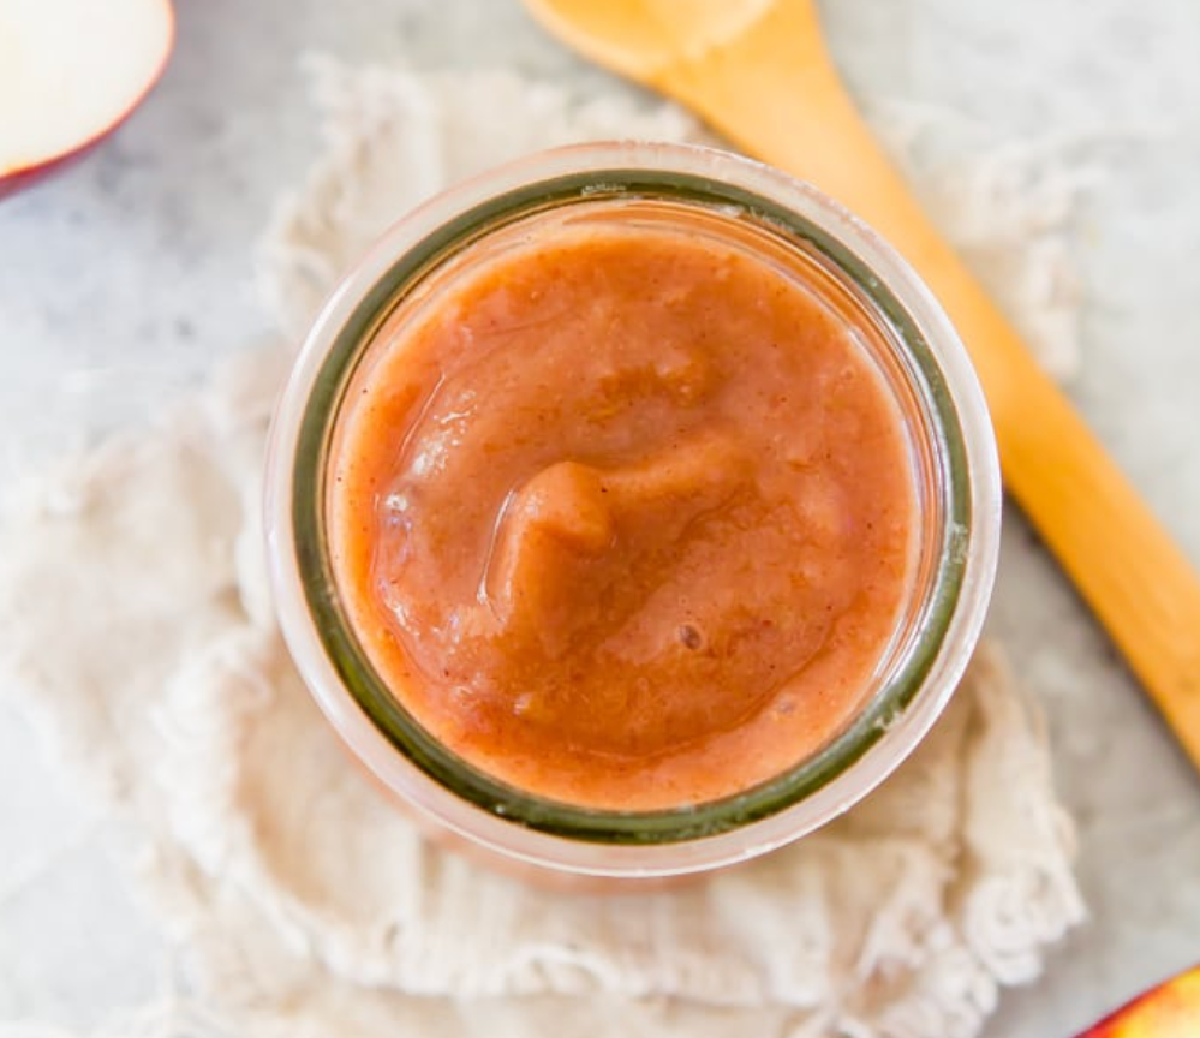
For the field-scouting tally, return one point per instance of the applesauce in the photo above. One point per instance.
(631, 510)
(626, 519)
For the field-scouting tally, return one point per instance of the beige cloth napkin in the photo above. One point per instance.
(139, 636)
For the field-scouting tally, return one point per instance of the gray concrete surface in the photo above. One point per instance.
(124, 278)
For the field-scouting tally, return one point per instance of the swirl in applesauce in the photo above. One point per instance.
(625, 518)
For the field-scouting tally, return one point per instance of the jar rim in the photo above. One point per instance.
(460, 796)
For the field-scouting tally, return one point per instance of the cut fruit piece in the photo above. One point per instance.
(70, 71)
(1171, 1010)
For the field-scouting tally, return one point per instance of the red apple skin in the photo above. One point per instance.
(19, 179)
(1171, 1010)
(14, 180)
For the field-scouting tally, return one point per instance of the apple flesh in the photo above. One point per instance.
(70, 72)
(1171, 1010)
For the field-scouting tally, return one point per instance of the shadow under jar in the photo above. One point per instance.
(632, 510)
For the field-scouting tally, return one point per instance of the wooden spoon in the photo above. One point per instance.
(759, 72)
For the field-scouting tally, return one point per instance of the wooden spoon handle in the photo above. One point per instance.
(776, 94)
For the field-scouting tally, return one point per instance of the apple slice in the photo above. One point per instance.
(1171, 1010)
(70, 71)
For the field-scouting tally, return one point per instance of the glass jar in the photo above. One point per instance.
(920, 359)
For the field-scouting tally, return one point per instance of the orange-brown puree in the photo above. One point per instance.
(625, 519)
